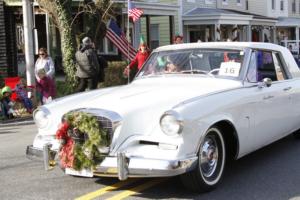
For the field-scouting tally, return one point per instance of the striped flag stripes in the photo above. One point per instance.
(117, 37)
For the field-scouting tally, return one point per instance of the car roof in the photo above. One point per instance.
(221, 45)
(289, 60)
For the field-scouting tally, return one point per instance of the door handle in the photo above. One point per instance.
(287, 88)
(268, 97)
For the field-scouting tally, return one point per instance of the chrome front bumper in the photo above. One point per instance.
(124, 166)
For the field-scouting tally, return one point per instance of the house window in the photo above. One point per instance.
(247, 5)
(238, 1)
(107, 47)
(191, 1)
(294, 6)
(154, 36)
(281, 5)
(273, 4)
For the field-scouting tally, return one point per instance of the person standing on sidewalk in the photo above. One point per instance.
(45, 62)
(141, 56)
(87, 66)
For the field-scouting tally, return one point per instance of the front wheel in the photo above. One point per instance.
(211, 162)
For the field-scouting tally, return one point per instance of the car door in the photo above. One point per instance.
(271, 104)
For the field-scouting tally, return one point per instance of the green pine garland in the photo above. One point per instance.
(87, 155)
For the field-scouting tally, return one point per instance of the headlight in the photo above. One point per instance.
(171, 123)
(41, 117)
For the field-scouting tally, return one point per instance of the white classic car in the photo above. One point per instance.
(188, 110)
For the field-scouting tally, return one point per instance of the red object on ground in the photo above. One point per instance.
(12, 82)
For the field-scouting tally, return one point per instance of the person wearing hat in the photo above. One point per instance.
(87, 66)
(7, 104)
(141, 56)
(178, 39)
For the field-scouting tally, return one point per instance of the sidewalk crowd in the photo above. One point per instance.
(18, 101)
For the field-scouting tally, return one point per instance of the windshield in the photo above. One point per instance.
(216, 62)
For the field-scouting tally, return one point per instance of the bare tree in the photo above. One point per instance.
(94, 13)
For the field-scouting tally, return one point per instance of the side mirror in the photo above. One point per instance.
(266, 82)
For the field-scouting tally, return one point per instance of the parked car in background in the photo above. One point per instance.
(188, 110)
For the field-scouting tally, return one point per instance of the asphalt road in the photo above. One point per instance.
(270, 173)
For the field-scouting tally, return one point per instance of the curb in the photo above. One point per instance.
(17, 122)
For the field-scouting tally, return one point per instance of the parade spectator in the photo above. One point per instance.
(87, 66)
(45, 62)
(2, 115)
(22, 90)
(7, 103)
(46, 87)
(141, 56)
(178, 39)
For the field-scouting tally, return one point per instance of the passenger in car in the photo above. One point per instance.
(171, 67)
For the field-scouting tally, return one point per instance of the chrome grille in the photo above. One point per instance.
(106, 124)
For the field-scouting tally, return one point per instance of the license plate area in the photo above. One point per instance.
(83, 172)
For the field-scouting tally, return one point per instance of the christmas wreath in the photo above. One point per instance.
(81, 137)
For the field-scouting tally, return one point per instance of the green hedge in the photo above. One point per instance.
(114, 74)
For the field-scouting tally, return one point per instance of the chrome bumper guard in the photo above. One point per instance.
(34, 153)
(45, 155)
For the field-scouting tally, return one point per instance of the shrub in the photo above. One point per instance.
(63, 89)
(114, 74)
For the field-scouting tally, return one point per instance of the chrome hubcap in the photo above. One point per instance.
(209, 156)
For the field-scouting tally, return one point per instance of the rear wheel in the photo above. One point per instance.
(211, 162)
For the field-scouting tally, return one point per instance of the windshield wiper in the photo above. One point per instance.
(194, 71)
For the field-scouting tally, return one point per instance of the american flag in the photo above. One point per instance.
(133, 12)
(117, 37)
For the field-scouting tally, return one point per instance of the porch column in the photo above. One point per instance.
(274, 33)
(297, 38)
(207, 34)
(47, 32)
(137, 33)
(171, 28)
(217, 32)
(249, 33)
(148, 29)
(235, 33)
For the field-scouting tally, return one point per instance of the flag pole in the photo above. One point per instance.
(127, 35)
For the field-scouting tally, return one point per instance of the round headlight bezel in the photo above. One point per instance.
(41, 117)
(171, 123)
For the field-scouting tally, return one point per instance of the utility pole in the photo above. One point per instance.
(28, 39)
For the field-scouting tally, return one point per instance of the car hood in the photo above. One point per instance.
(164, 92)
(141, 103)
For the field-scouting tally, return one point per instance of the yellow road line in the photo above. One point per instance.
(137, 189)
(102, 191)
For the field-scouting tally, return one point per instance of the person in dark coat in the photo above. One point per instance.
(87, 66)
